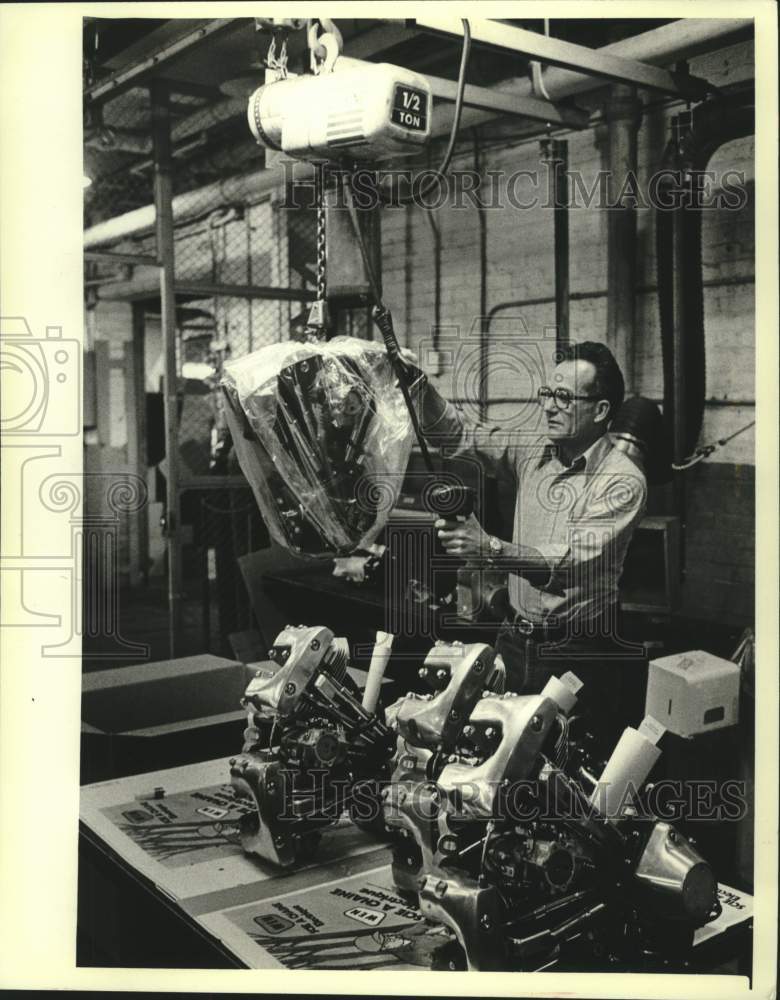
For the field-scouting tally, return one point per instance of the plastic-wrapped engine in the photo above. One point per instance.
(323, 436)
(504, 835)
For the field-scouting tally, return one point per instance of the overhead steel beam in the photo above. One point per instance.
(208, 290)
(555, 52)
(488, 99)
(189, 89)
(138, 73)
(112, 139)
(377, 40)
(115, 257)
(146, 285)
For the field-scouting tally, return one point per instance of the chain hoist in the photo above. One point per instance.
(324, 50)
(318, 321)
(325, 44)
(279, 28)
(277, 64)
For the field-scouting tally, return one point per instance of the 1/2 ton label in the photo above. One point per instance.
(410, 108)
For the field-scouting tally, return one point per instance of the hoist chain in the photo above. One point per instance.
(321, 248)
(317, 325)
(277, 64)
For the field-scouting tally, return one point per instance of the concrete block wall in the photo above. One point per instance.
(719, 565)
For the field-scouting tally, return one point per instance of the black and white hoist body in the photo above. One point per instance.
(356, 110)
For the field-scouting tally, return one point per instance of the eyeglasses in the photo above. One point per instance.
(563, 397)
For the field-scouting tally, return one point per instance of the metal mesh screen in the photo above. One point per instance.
(118, 177)
(238, 254)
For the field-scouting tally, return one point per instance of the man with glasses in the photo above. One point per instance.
(578, 502)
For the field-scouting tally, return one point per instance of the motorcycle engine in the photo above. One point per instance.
(310, 748)
(502, 837)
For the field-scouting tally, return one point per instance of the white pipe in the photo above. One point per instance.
(376, 671)
(563, 691)
(241, 189)
(626, 770)
(666, 44)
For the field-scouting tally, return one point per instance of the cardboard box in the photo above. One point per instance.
(155, 715)
(694, 692)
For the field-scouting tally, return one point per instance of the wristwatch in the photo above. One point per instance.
(495, 547)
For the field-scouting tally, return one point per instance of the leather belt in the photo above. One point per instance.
(553, 631)
(537, 631)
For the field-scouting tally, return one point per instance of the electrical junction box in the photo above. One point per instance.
(358, 111)
(692, 693)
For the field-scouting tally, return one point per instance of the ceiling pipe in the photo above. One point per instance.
(667, 44)
(623, 113)
(556, 153)
(246, 189)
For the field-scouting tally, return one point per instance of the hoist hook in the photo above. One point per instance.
(326, 48)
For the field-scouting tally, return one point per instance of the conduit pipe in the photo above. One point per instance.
(679, 266)
(557, 154)
(667, 44)
(246, 189)
(623, 112)
(670, 43)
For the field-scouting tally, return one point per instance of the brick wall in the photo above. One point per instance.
(519, 266)
(720, 543)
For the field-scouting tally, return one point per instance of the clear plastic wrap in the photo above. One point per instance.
(323, 436)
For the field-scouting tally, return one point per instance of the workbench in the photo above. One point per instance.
(164, 882)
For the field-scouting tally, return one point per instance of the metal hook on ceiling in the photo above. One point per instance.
(326, 48)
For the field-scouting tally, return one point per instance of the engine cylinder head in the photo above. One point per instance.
(336, 659)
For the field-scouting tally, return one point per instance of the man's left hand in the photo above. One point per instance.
(463, 538)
